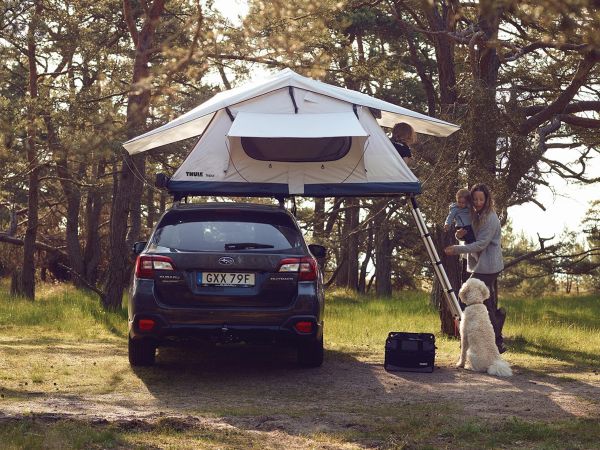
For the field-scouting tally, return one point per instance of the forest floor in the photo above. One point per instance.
(69, 390)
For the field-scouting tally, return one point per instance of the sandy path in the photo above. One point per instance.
(261, 389)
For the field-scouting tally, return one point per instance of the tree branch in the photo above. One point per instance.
(130, 21)
(85, 282)
(577, 121)
(4, 237)
(571, 108)
(335, 273)
(530, 255)
(557, 107)
(519, 52)
(417, 63)
(566, 172)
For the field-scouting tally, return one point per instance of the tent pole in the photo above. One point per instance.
(439, 270)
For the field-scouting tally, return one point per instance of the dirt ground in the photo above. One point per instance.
(260, 388)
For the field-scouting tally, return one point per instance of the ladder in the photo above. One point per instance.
(439, 270)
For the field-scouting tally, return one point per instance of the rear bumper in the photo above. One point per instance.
(285, 332)
(227, 324)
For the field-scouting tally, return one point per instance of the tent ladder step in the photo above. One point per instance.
(438, 267)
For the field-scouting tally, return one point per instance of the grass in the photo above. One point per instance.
(64, 344)
(580, 433)
(560, 330)
(60, 311)
(33, 433)
(563, 329)
(354, 322)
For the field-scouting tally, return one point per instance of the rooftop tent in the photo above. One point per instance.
(291, 135)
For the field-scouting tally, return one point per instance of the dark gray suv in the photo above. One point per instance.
(227, 272)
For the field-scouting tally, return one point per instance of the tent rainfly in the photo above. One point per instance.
(291, 135)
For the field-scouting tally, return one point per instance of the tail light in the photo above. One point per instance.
(303, 327)
(305, 267)
(146, 265)
(146, 324)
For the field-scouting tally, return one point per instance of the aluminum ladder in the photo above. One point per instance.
(439, 270)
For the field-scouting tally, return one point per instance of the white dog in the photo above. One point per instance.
(477, 339)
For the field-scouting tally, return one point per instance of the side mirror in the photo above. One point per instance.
(161, 180)
(139, 247)
(318, 251)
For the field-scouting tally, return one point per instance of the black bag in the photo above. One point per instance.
(409, 352)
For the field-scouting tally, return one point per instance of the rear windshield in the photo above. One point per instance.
(226, 231)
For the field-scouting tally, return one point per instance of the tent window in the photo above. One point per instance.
(297, 149)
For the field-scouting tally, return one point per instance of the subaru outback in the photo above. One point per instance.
(227, 272)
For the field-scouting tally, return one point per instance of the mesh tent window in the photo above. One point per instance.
(297, 149)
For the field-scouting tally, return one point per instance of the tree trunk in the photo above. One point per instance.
(72, 231)
(73, 196)
(383, 255)
(125, 197)
(352, 243)
(453, 267)
(362, 279)
(342, 263)
(444, 51)
(342, 251)
(119, 256)
(484, 110)
(93, 210)
(162, 202)
(319, 220)
(27, 285)
(444, 21)
(135, 204)
(16, 282)
(150, 208)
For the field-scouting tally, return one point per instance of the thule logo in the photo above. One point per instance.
(194, 174)
(226, 261)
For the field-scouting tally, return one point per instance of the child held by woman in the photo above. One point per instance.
(460, 215)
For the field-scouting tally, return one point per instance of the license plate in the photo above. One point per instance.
(225, 279)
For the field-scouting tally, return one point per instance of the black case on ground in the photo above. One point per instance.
(409, 352)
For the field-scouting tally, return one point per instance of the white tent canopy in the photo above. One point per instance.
(296, 125)
(194, 122)
(290, 135)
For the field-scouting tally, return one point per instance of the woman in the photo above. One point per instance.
(484, 259)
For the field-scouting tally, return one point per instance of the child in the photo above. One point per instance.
(403, 136)
(460, 215)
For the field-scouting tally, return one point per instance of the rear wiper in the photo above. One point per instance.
(246, 245)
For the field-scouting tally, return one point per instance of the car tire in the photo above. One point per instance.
(310, 354)
(141, 352)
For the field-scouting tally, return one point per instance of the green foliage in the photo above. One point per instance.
(63, 310)
(527, 277)
(591, 225)
(566, 263)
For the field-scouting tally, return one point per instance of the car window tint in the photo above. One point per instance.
(212, 235)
